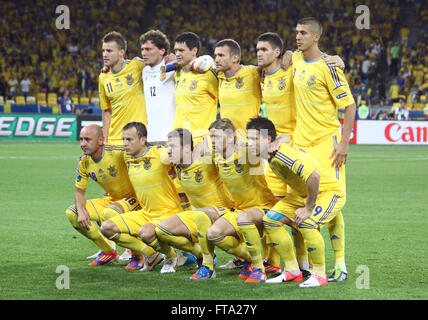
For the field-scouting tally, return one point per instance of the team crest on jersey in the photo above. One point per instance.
(198, 176)
(239, 82)
(147, 163)
(193, 85)
(129, 79)
(311, 80)
(238, 167)
(281, 84)
(101, 174)
(112, 171)
(162, 76)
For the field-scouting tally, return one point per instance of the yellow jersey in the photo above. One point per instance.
(202, 184)
(123, 93)
(278, 96)
(294, 166)
(244, 178)
(319, 90)
(153, 186)
(196, 99)
(240, 96)
(110, 172)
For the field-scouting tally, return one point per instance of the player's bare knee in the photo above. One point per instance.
(147, 233)
(213, 232)
(108, 228)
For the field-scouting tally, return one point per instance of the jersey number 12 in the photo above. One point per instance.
(153, 91)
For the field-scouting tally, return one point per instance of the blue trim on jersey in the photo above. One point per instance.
(170, 67)
(124, 65)
(282, 157)
(335, 77)
(269, 74)
(315, 60)
(227, 77)
(299, 170)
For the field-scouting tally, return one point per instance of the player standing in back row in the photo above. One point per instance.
(320, 90)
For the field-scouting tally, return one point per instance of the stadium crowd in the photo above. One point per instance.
(38, 57)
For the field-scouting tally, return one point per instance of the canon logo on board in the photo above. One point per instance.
(395, 132)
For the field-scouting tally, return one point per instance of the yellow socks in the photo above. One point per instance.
(93, 233)
(252, 241)
(315, 246)
(178, 242)
(336, 228)
(281, 240)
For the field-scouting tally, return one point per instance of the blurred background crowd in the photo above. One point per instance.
(386, 65)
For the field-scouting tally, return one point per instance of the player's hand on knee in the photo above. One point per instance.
(301, 215)
(83, 219)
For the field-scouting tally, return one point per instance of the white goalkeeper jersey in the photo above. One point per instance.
(160, 102)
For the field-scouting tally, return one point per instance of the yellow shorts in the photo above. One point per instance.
(131, 222)
(327, 206)
(322, 152)
(95, 207)
(188, 219)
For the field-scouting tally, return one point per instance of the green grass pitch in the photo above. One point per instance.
(385, 217)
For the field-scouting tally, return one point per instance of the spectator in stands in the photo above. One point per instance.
(363, 111)
(65, 103)
(395, 59)
(3, 87)
(394, 91)
(402, 113)
(13, 86)
(25, 86)
(84, 81)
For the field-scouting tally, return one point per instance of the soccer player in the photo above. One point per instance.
(120, 89)
(245, 181)
(105, 165)
(196, 94)
(158, 80)
(239, 86)
(148, 171)
(315, 198)
(199, 178)
(320, 90)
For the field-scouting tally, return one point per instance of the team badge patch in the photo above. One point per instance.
(163, 73)
(311, 80)
(281, 84)
(238, 167)
(147, 163)
(112, 171)
(129, 79)
(198, 176)
(193, 85)
(239, 82)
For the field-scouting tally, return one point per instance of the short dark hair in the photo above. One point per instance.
(159, 39)
(139, 127)
(184, 135)
(274, 40)
(116, 37)
(260, 123)
(191, 40)
(232, 45)
(311, 21)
